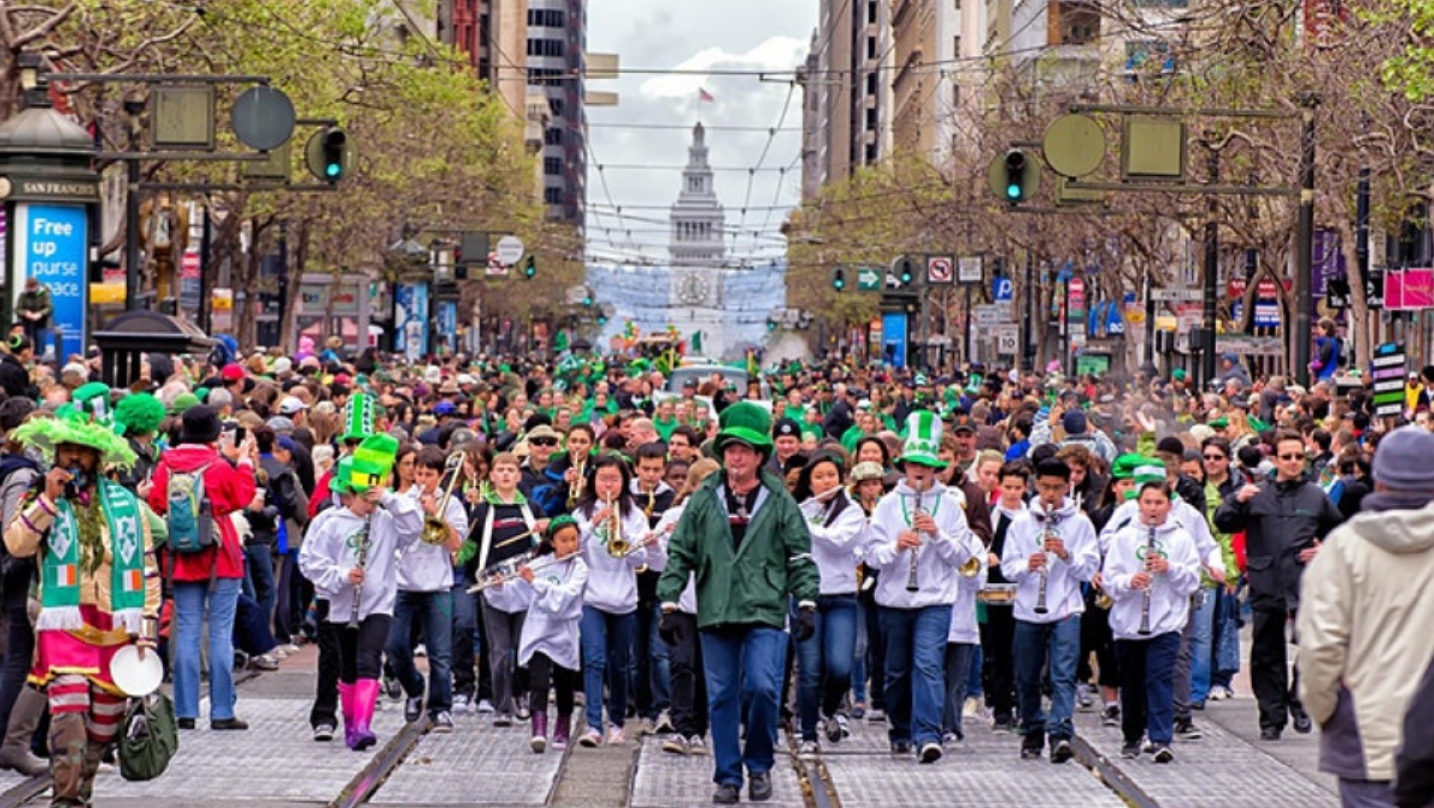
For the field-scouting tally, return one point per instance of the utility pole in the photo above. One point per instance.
(1028, 345)
(133, 255)
(1304, 255)
(1212, 269)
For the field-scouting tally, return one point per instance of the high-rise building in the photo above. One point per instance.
(697, 217)
(934, 102)
(556, 54)
(493, 35)
(846, 119)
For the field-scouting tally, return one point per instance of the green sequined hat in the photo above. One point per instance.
(358, 417)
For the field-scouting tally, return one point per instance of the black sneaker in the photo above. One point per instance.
(1163, 754)
(1270, 734)
(1302, 722)
(228, 723)
(930, 753)
(1130, 751)
(1031, 752)
(727, 794)
(443, 722)
(1061, 751)
(1110, 716)
(185, 723)
(900, 747)
(1005, 724)
(759, 787)
(412, 709)
(1186, 730)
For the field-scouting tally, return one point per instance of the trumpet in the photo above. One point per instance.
(575, 491)
(511, 570)
(972, 567)
(617, 545)
(435, 529)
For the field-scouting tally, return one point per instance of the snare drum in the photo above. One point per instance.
(997, 594)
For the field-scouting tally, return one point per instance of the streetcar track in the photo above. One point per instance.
(383, 764)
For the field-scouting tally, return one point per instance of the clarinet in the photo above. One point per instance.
(911, 584)
(1144, 629)
(1045, 568)
(362, 563)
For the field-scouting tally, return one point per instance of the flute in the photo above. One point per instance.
(363, 543)
(1150, 584)
(911, 583)
(1045, 568)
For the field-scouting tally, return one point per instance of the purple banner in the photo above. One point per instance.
(1328, 260)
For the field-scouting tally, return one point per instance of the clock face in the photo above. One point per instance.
(693, 290)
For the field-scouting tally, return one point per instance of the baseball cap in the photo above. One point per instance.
(290, 405)
(232, 372)
(787, 427)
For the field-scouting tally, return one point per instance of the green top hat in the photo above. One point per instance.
(358, 417)
(923, 440)
(747, 423)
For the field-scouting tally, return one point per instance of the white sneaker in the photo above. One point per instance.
(485, 707)
(646, 727)
(291, 649)
(420, 650)
(664, 723)
(971, 709)
(462, 703)
(616, 736)
(809, 749)
(696, 745)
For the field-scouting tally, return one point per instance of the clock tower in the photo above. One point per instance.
(697, 250)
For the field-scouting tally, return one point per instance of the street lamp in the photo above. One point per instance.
(29, 70)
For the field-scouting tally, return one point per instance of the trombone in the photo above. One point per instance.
(435, 528)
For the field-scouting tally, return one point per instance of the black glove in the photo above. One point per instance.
(667, 629)
(806, 624)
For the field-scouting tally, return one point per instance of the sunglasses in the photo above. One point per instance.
(543, 442)
(1216, 457)
(1292, 457)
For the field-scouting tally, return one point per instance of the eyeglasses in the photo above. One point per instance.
(1216, 457)
(543, 442)
(1292, 457)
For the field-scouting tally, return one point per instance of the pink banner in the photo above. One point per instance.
(1409, 289)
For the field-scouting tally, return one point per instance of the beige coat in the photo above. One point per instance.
(1366, 608)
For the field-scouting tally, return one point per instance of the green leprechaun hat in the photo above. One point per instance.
(370, 464)
(1151, 472)
(745, 422)
(923, 440)
(358, 417)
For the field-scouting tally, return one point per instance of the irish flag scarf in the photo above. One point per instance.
(61, 569)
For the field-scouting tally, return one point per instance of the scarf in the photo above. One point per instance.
(60, 581)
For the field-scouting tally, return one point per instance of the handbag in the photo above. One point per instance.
(149, 737)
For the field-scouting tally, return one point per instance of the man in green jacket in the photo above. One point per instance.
(34, 310)
(747, 545)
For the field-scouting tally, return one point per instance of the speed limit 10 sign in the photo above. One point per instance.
(939, 270)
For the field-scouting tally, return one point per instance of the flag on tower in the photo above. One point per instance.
(704, 96)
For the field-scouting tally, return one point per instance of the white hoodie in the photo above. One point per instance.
(555, 608)
(1169, 593)
(964, 626)
(1025, 536)
(835, 541)
(687, 604)
(938, 559)
(612, 582)
(429, 567)
(327, 555)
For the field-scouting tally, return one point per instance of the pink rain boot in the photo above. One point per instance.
(539, 741)
(561, 729)
(365, 698)
(346, 702)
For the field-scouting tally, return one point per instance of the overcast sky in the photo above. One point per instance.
(692, 35)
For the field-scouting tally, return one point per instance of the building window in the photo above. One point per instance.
(556, 106)
(871, 154)
(552, 196)
(545, 76)
(552, 166)
(553, 136)
(871, 47)
(871, 83)
(547, 47)
(546, 18)
(871, 13)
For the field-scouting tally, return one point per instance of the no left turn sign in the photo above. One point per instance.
(939, 270)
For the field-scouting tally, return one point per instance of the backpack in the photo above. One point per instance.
(190, 520)
(1339, 348)
(148, 737)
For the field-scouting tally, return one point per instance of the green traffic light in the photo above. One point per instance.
(588, 301)
(839, 284)
(1013, 191)
(333, 170)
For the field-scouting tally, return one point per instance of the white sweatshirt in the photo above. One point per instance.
(1169, 593)
(612, 584)
(835, 541)
(1206, 549)
(555, 608)
(1025, 537)
(429, 567)
(937, 560)
(328, 554)
(687, 604)
(964, 626)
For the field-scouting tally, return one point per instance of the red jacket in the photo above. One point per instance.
(322, 494)
(229, 489)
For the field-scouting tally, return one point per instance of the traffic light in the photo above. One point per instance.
(907, 273)
(602, 318)
(326, 154)
(839, 279)
(588, 299)
(530, 268)
(1014, 176)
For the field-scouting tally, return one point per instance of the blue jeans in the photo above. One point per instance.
(1147, 675)
(744, 667)
(960, 657)
(259, 578)
(1227, 638)
(1033, 641)
(973, 679)
(915, 671)
(858, 662)
(1202, 646)
(192, 602)
(651, 665)
(824, 661)
(435, 611)
(607, 641)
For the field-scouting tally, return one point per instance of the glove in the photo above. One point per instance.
(667, 629)
(806, 624)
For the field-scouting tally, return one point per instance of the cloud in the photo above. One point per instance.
(779, 53)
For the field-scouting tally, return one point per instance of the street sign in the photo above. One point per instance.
(1250, 346)
(1002, 289)
(969, 269)
(939, 270)
(510, 250)
(868, 279)
(1176, 295)
(993, 314)
(1007, 340)
(263, 118)
(1389, 372)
